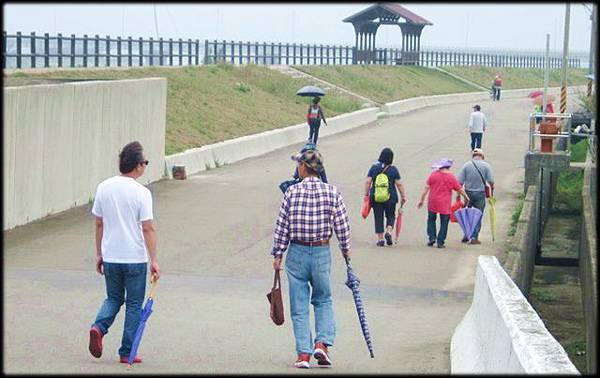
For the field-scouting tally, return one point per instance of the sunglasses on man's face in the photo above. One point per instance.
(145, 162)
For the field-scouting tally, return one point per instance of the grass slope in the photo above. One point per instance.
(208, 104)
(517, 78)
(389, 83)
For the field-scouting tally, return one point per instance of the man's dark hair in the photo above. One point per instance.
(131, 155)
(386, 156)
(316, 100)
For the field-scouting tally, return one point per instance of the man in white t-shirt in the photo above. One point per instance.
(125, 236)
(477, 124)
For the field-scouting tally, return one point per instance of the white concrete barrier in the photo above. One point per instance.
(230, 151)
(501, 333)
(409, 104)
(61, 140)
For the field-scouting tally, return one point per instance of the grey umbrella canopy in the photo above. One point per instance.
(310, 91)
(353, 282)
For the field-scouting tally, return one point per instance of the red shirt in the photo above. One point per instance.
(441, 185)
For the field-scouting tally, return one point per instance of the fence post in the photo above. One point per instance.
(170, 43)
(19, 52)
(272, 53)
(160, 52)
(46, 50)
(85, 50)
(249, 52)
(151, 52)
(287, 53)
(32, 49)
(180, 51)
(255, 52)
(197, 58)
(241, 51)
(333, 54)
(119, 51)
(294, 52)
(108, 50)
(206, 51)
(264, 52)
(4, 40)
(141, 51)
(129, 51)
(327, 54)
(72, 50)
(59, 50)
(189, 51)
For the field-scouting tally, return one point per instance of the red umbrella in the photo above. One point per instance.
(535, 94)
(458, 204)
(398, 223)
(366, 208)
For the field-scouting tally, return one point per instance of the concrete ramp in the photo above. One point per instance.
(501, 333)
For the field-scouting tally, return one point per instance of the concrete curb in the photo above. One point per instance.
(210, 156)
(501, 333)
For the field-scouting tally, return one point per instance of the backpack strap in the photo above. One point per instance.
(480, 175)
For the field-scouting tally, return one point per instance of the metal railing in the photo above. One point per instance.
(32, 51)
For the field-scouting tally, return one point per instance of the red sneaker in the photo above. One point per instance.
(303, 361)
(125, 359)
(96, 341)
(322, 355)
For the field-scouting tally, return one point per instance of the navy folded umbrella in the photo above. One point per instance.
(146, 312)
(353, 282)
(310, 91)
(467, 218)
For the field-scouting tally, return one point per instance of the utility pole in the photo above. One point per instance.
(546, 72)
(563, 88)
(593, 52)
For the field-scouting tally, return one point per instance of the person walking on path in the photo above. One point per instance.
(296, 176)
(476, 126)
(497, 87)
(440, 184)
(310, 211)
(313, 117)
(382, 180)
(125, 235)
(474, 175)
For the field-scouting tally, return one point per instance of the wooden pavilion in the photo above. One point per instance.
(367, 21)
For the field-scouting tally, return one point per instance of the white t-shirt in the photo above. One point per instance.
(123, 204)
(477, 122)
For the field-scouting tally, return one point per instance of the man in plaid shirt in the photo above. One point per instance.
(309, 211)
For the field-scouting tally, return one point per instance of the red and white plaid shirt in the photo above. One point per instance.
(309, 211)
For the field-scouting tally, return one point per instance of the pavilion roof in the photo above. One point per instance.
(395, 9)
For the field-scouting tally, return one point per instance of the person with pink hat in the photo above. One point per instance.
(440, 184)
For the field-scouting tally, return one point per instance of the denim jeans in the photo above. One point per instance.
(309, 268)
(476, 140)
(440, 237)
(313, 133)
(477, 200)
(121, 279)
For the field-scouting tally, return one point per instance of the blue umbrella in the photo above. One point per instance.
(353, 282)
(310, 91)
(467, 218)
(146, 311)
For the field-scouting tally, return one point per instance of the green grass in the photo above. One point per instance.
(579, 151)
(570, 183)
(208, 104)
(544, 295)
(516, 214)
(389, 83)
(517, 78)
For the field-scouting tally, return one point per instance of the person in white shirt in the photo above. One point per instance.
(477, 124)
(125, 235)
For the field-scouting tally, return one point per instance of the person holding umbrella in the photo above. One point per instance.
(125, 235)
(474, 176)
(313, 118)
(309, 214)
(382, 180)
(440, 184)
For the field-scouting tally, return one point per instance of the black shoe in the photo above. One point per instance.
(430, 243)
(441, 246)
(388, 238)
(381, 243)
(464, 240)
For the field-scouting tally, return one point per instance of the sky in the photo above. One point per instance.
(473, 26)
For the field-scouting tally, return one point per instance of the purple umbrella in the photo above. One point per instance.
(353, 282)
(146, 311)
(467, 218)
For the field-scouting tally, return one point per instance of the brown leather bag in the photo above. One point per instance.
(276, 300)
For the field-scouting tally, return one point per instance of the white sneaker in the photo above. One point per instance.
(321, 355)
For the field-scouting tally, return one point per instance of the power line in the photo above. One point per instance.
(172, 22)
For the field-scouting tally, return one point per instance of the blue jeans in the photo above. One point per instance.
(440, 238)
(309, 268)
(477, 200)
(121, 279)
(476, 140)
(313, 132)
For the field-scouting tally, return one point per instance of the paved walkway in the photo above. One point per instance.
(214, 237)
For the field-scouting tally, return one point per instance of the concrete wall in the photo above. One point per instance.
(521, 255)
(403, 106)
(61, 140)
(588, 263)
(229, 151)
(501, 333)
